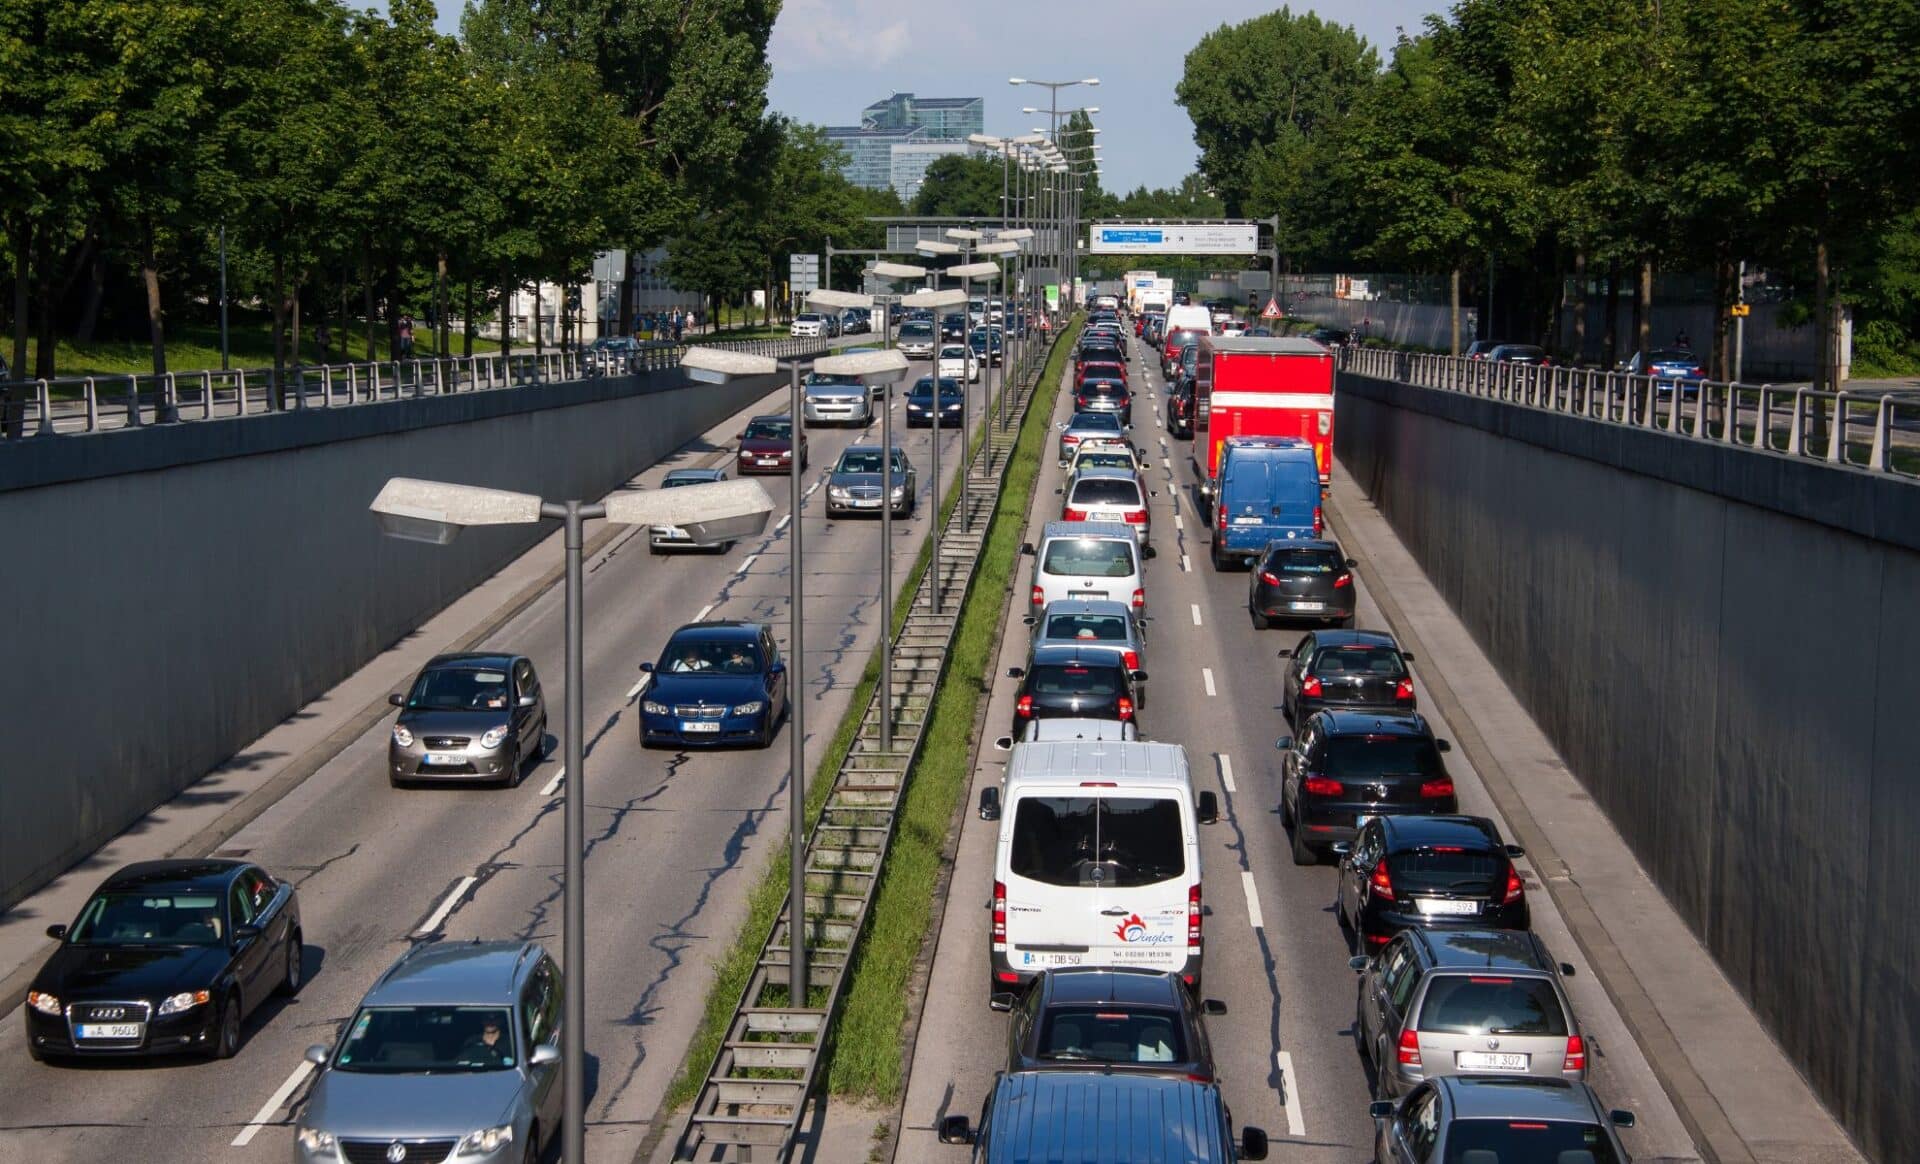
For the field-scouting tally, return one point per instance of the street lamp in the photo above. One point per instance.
(435, 512)
(935, 300)
(717, 366)
(889, 271)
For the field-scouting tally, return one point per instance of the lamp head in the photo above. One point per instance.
(718, 365)
(436, 511)
(713, 512)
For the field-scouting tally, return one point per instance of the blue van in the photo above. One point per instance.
(1269, 491)
(1094, 1117)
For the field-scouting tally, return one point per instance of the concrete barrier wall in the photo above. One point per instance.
(1724, 646)
(173, 592)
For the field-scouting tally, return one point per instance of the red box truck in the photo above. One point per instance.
(1264, 388)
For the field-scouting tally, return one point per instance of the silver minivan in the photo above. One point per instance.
(1094, 622)
(1086, 559)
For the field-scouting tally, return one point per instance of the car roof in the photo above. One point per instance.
(1087, 529)
(1123, 984)
(1519, 1097)
(1076, 1115)
(868, 449)
(1354, 638)
(718, 630)
(695, 475)
(1327, 544)
(1267, 346)
(470, 659)
(1080, 606)
(1080, 418)
(1105, 473)
(1051, 729)
(1071, 654)
(1418, 832)
(188, 873)
(1351, 722)
(782, 417)
(1507, 950)
(452, 974)
(1053, 763)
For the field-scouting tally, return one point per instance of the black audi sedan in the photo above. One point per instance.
(1345, 668)
(1308, 580)
(1347, 767)
(1069, 682)
(1121, 1019)
(166, 957)
(1435, 872)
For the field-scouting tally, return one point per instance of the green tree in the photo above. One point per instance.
(960, 185)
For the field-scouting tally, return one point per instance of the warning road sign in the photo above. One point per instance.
(1272, 310)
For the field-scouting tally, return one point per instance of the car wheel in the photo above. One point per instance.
(1360, 1042)
(291, 977)
(1219, 559)
(226, 1033)
(394, 781)
(1286, 810)
(1260, 621)
(1303, 853)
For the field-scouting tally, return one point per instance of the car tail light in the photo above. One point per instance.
(1139, 598)
(1403, 689)
(1436, 789)
(1000, 916)
(1072, 514)
(1409, 1048)
(1576, 1059)
(1080, 400)
(1136, 517)
(1131, 659)
(1193, 917)
(1024, 709)
(1515, 890)
(1267, 577)
(1343, 581)
(1038, 597)
(1319, 521)
(1700, 372)
(1381, 882)
(1323, 786)
(1069, 439)
(1311, 687)
(1126, 709)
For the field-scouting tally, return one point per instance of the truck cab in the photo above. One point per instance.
(1268, 490)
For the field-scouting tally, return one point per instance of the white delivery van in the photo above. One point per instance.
(1097, 861)
(1191, 315)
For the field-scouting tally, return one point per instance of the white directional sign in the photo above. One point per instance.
(1170, 239)
(803, 273)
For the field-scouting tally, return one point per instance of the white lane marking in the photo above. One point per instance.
(1165, 463)
(446, 906)
(1196, 613)
(784, 519)
(704, 612)
(1185, 563)
(1177, 523)
(274, 1103)
(1226, 771)
(1290, 1091)
(746, 563)
(552, 786)
(637, 688)
(811, 490)
(1253, 900)
(1206, 677)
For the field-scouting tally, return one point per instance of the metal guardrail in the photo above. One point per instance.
(1876, 432)
(91, 404)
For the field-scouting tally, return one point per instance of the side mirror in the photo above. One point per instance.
(1341, 848)
(1286, 652)
(1028, 619)
(1620, 1118)
(1058, 492)
(955, 1130)
(1443, 745)
(1212, 1006)
(58, 933)
(528, 701)
(740, 436)
(1026, 548)
(543, 1055)
(1207, 807)
(397, 699)
(1516, 851)
(316, 1055)
(245, 933)
(647, 667)
(1061, 427)
(989, 804)
(1284, 743)
(1003, 743)
(1016, 672)
(1407, 655)
(1381, 1109)
(1353, 562)
(1253, 1144)
(1567, 970)
(1358, 963)
(779, 668)
(1137, 676)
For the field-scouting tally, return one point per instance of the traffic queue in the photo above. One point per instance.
(1097, 945)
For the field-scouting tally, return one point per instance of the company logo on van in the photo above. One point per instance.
(1134, 932)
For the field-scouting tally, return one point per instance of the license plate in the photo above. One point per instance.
(862, 503)
(109, 1030)
(1436, 907)
(1086, 594)
(1486, 1061)
(769, 460)
(439, 758)
(1246, 520)
(1309, 605)
(699, 725)
(1050, 959)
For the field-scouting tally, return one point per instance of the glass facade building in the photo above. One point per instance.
(898, 137)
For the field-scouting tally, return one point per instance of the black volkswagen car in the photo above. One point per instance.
(1347, 767)
(166, 957)
(1437, 872)
(1070, 682)
(1307, 580)
(1124, 1018)
(1345, 668)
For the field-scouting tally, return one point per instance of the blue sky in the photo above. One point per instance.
(833, 57)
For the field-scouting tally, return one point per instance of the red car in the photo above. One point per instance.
(766, 446)
(1100, 370)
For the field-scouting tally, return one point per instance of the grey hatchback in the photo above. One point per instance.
(1093, 622)
(454, 1053)
(1491, 1118)
(478, 715)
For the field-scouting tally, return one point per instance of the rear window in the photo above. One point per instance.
(1112, 1036)
(1105, 491)
(1182, 337)
(1095, 681)
(1436, 871)
(1114, 841)
(1378, 662)
(1097, 628)
(1473, 1141)
(1105, 389)
(1088, 558)
(1489, 1004)
(1303, 562)
(1092, 421)
(1361, 756)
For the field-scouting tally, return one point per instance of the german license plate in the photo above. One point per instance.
(1027, 959)
(1255, 520)
(1488, 1061)
(109, 1030)
(1440, 907)
(1308, 605)
(769, 460)
(1086, 594)
(442, 758)
(699, 725)
(866, 503)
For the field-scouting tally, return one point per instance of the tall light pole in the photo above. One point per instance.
(435, 512)
(890, 271)
(936, 300)
(717, 366)
(1004, 246)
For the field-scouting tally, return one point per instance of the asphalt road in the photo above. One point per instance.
(675, 840)
(1274, 953)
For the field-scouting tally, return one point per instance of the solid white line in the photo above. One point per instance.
(746, 563)
(704, 612)
(552, 786)
(784, 519)
(273, 1104)
(1226, 771)
(1185, 564)
(1253, 900)
(446, 907)
(1206, 677)
(1177, 523)
(1196, 613)
(1290, 1086)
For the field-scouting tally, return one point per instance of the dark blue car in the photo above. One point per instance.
(920, 403)
(720, 682)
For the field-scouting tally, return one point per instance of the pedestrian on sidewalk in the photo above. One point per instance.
(406, 336)
(679, 324)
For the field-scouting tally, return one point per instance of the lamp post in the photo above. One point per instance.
(892, 271)
(1003, 245)
(935, 300)
(717, 366)
(435, 512)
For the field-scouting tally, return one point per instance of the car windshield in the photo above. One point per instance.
(1099, 628)
(1111, 1036)
(768, 430)
(822, 380)
(1522, 352)
(868, 461)
(1490, 1004)
(1103, 389)
(1358, 757)
(1478, 1141)
(1308, 562)
(674, 481)
(1088, 558)
(1375, 662)
(809, 317)
(1077, 679)
(1106, 491)
(716, 656)
(1103, 459)
(949, 389)
(1115, 841)
(459, 689)
(1095, 422)
(953, 352)
(427, 1040)
(151, 918)
(1445, 869)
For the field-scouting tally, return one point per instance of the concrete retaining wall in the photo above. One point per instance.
(173, 592)
(1724, 646)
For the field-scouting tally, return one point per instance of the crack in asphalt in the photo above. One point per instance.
(313, 871)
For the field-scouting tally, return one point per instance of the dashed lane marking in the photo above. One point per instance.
(1177, 523)
(746, 563)
(637, 688)
(274, 1103)
(704, 612)
(1290, 1094)
(445, 908)
(1226, 772)
(1186, 564)
(552, 786)
(784, 519)
(1196, 613)
(1206, 677)
(1253, 900)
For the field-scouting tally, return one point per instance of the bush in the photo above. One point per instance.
(1882, 348)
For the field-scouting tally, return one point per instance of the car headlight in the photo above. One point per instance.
(838, 492)
(899, 491)
(184, 1001)
(315, 1140)
(495, 736)
(652, 708)
(402, 736)
(752, 708)
(44, 1003)
(486, 1140)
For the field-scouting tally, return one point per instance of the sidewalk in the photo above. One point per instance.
(1734, 1088)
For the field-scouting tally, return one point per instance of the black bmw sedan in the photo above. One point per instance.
(166, 957)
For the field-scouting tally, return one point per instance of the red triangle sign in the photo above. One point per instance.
(1272, 310)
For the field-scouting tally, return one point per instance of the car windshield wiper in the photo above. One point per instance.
(1076, 1056)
